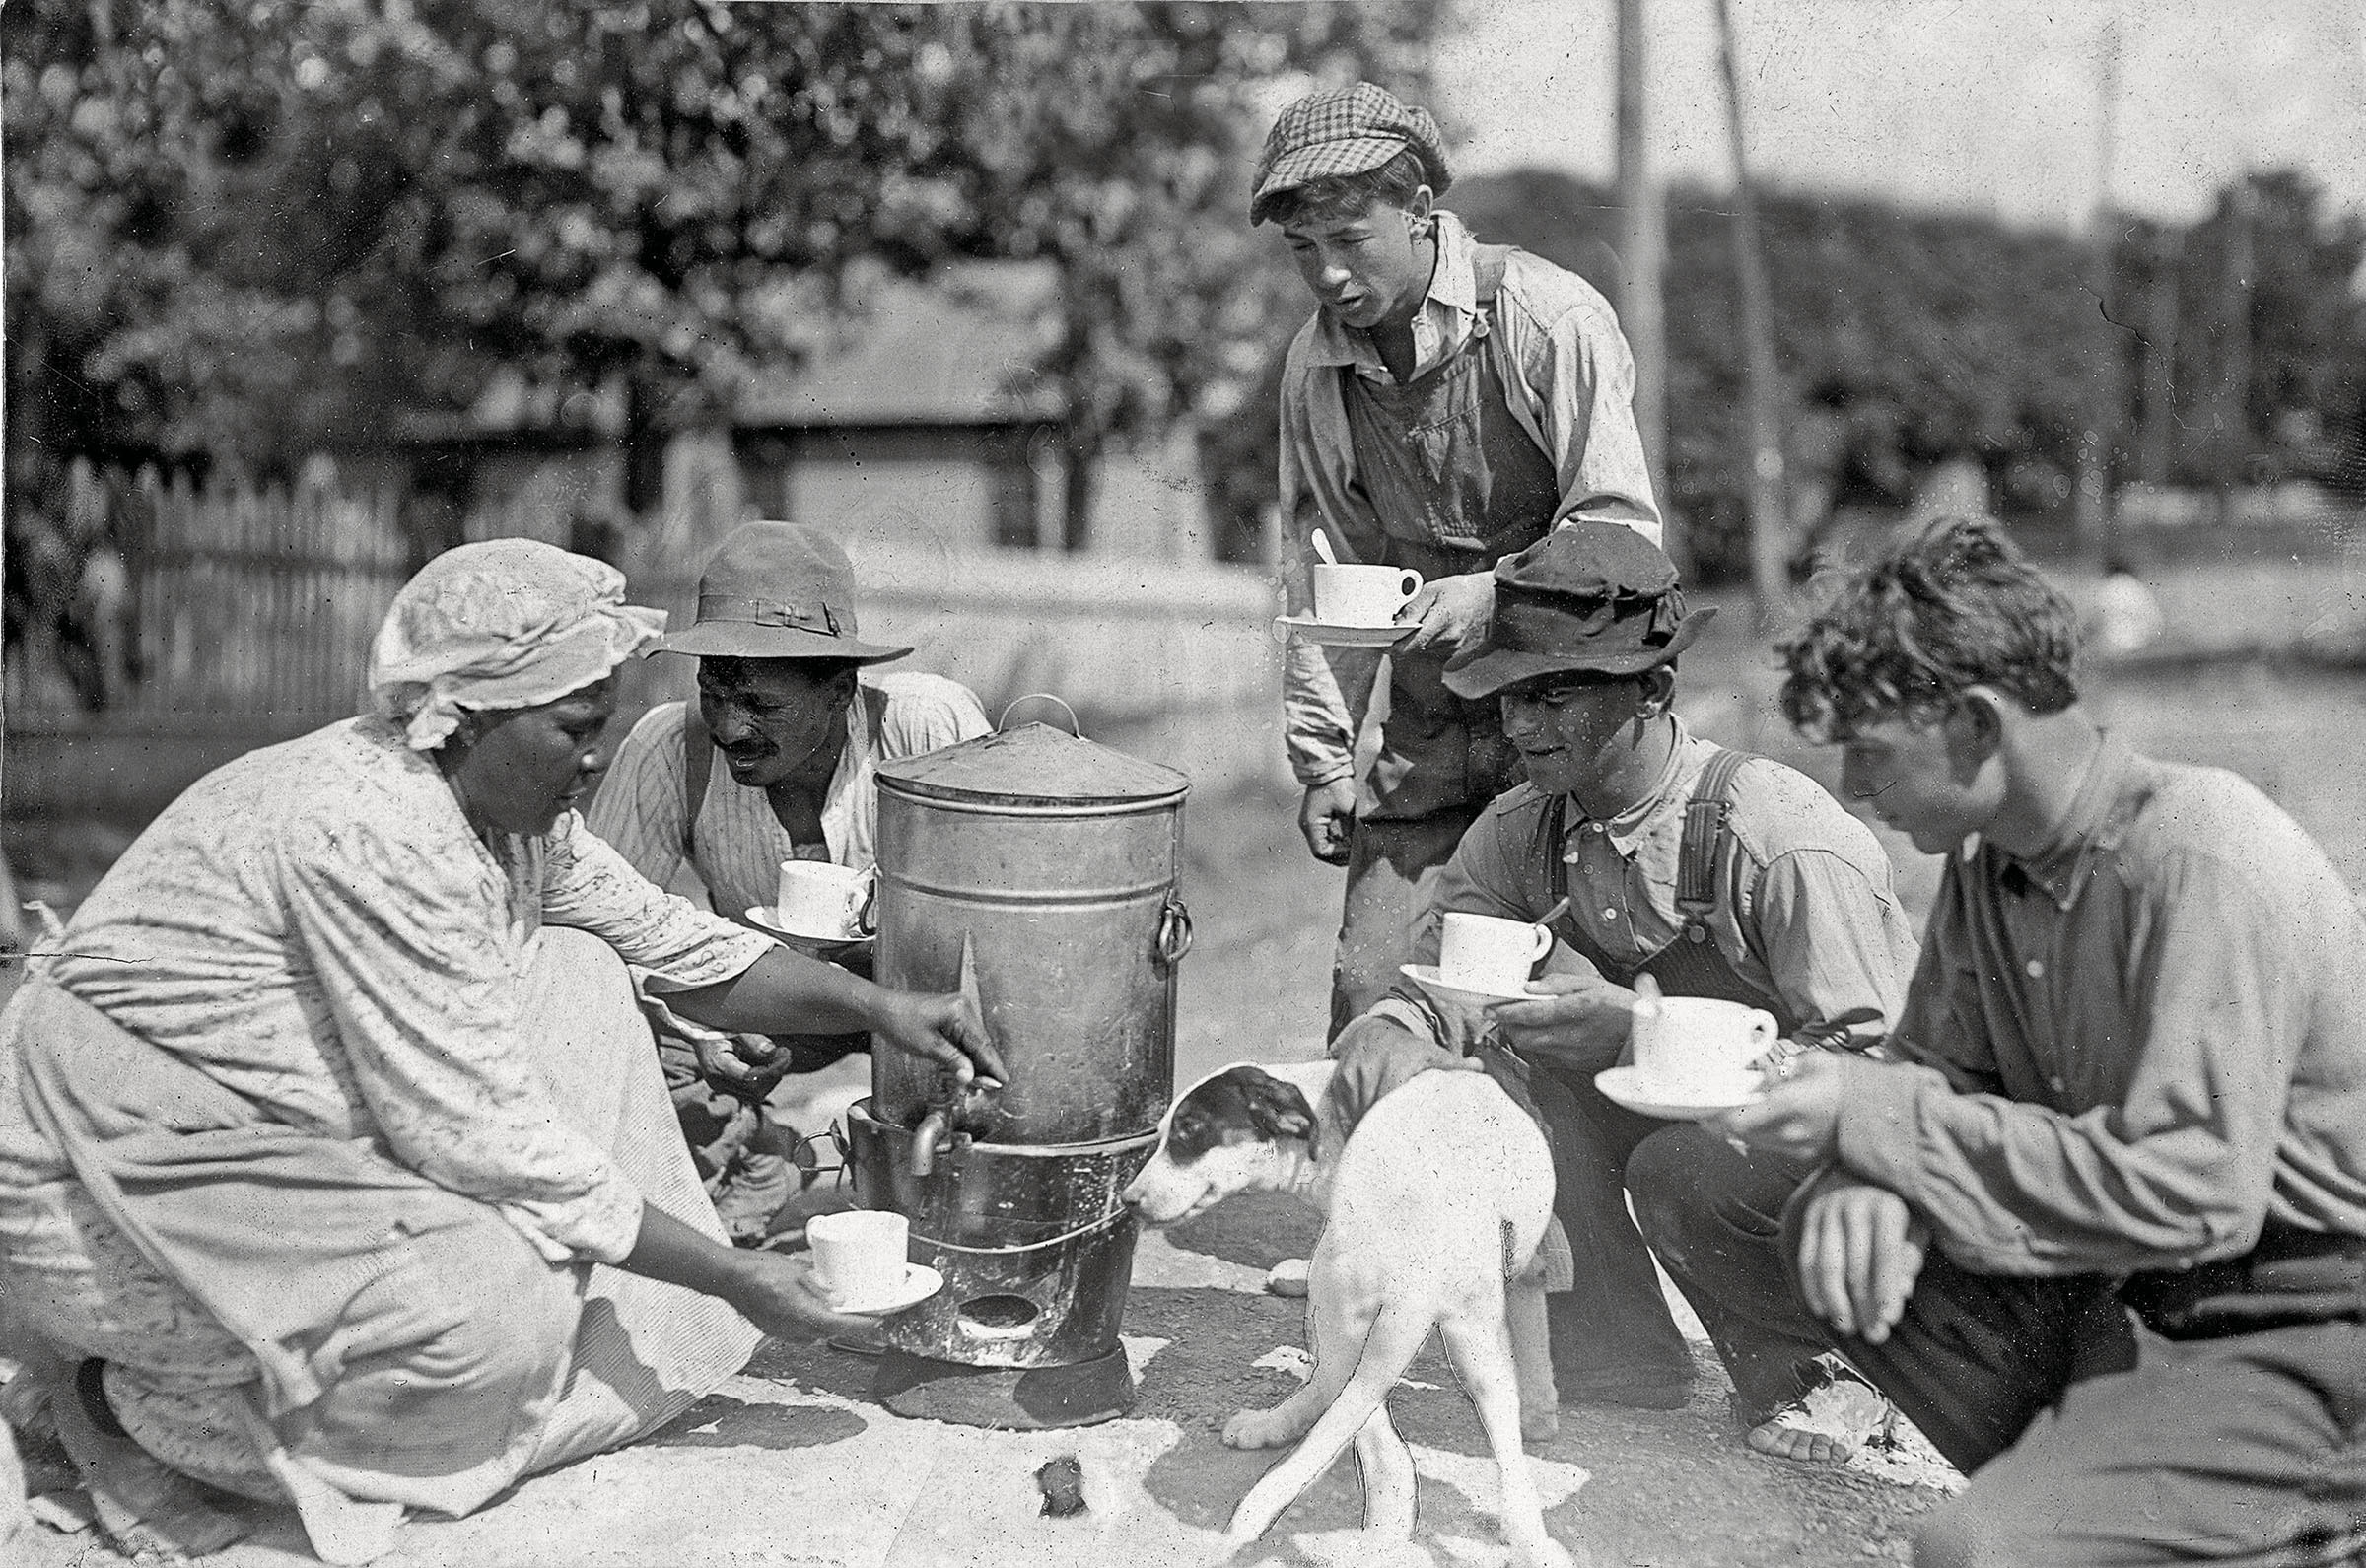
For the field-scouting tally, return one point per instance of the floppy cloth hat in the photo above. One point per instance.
(1329, 134)
(778, 590)
(509, 622)
(1589, 597)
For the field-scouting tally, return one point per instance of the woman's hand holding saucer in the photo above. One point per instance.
(781, 1294)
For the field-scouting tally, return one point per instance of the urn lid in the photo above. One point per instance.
(1033, 765)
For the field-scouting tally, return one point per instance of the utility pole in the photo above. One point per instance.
(2160, 356)
(1769, 507)
(2091, 499)
(1643, 265)
(2230, 396)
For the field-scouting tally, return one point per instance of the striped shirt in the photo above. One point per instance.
(740, 842)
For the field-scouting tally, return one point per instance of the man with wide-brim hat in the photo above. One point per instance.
(1715, 873)
(775, 762)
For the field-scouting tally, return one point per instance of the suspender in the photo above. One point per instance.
(698, 756)
(1705, 818)
(1705, 825)
(1487, 273)
(698, 760)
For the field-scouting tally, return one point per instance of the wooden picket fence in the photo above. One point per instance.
(242, 599)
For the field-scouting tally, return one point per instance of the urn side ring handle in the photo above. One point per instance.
(1174, 933)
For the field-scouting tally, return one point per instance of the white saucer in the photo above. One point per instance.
(1332, 635)
(1630, 1088)
(1425, 976)
(761, 917)
(920, 1283)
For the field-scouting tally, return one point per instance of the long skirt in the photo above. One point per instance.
(298, 1318)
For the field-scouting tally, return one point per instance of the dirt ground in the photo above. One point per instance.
(790, 1463)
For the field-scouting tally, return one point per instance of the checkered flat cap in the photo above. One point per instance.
(1349, 132)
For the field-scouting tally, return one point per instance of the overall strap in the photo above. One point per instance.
(1556, 869)
(1704, 826)
(698, 766)
(874, 714)
(1487, 272)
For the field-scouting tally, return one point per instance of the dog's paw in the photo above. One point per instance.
(1551, 1553)
(1258, 1429)
(1540, 1423)
(1234, 1546)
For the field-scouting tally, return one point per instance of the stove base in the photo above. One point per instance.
(1006, 1398)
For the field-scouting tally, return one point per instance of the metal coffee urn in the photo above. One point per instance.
(1041, 870)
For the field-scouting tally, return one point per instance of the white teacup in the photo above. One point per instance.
(1699, 1049)
(1363, 595)
(860, 1254)
(1481, 953)
(822, 900)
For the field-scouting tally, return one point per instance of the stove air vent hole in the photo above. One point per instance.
(997, 1317)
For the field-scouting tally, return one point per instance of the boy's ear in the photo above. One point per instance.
(1417, 210)
(1655, 691)
(1975, 722)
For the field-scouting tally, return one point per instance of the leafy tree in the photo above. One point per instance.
(1904, 338)
(2263, 329)
(247, 230)
(1119, 141)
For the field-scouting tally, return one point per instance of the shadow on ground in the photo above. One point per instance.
(720, 1422)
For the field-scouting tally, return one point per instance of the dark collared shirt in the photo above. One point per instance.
(2135, 1047)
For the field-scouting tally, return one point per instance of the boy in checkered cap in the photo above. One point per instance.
(1448, 404)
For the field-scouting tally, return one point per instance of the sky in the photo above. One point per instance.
(1991, 105)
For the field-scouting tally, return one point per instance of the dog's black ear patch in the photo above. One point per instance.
(1236, 1106)
(1277, 1109)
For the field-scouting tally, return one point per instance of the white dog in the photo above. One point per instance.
(1436, 1208)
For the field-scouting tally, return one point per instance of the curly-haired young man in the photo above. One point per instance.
(2101, 1228)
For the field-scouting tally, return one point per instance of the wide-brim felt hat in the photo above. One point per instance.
(1348, 132)
(1588, 598)
(778, 590)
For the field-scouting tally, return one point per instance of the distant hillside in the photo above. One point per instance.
(1906, 338)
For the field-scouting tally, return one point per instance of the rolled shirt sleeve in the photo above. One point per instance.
(1577, 375)
(1831, 939)
(1325, 690)
(670, 940)
(2171, 1153)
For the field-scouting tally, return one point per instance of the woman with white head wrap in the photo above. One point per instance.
(328, 1174)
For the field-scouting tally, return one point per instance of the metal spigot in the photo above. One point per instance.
(934, 1129)
(954, 1104)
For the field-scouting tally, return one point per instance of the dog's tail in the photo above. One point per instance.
(1395, 1338)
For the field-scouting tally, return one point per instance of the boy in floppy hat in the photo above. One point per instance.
(785, 704)
(1445, 405)
(1717, 874)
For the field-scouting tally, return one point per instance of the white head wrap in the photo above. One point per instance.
(509, 622)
